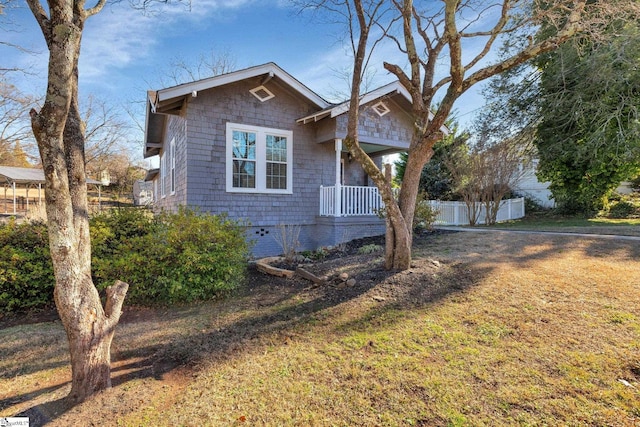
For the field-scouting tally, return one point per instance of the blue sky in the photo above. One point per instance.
(125, 52)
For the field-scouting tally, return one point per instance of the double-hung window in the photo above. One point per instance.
(259, 160)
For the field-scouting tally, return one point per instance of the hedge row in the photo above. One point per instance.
(167, 258)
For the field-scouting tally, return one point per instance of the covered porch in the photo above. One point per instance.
(349, 200)
(385, 127)
(340, 200)
(17, 183)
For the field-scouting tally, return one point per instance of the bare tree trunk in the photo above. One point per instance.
(397, 236)
(58, 130)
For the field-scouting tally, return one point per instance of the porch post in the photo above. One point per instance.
(338, 194)
(13, 185)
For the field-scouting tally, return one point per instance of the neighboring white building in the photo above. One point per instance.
(529, 186)
(142, 193)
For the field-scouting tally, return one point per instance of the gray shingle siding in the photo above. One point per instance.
(201, 163)
(394, 129)
(176, 128)
(313, 163)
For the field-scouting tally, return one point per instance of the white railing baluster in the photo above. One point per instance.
(351, 200)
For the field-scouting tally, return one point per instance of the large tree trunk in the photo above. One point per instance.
(58, 130)
(90, 330)
(398, 242)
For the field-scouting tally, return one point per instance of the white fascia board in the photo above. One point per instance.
(235, 76)
(378, 93)
(314, 117)
(371, 96)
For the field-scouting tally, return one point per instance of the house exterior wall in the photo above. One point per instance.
(176, 131)
(313, 164)
(529, 186)
(394, 129)
(353, 172)
(201, 151)
(331, 231)
(325, 130)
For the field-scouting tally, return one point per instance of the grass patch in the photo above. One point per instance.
(625, 227)
(502, 330)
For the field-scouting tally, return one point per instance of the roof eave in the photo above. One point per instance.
(339, 109)
(270, 69)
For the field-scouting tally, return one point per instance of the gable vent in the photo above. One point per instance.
(262, 93)
(381, 108)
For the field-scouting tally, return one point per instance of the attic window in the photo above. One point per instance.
(381, 109)
(262, 93)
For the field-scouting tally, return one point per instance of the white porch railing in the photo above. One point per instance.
(456, 213)
(350, 200)
(361, 201)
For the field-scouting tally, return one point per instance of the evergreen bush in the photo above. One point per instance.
(26, 271)
(170, 258)
(185, 256)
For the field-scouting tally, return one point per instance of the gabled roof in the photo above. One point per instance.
(338, 109)
(269, 70)
(386, 90)
(17, 175)
(172, 100)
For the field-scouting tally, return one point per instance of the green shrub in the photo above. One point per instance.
(369, 249)
(623, 209)
(26, 272)
(533, 206)
(185, 256)
(425, 215)
(173, 257)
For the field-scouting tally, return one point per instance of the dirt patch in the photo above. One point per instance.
(544, 283)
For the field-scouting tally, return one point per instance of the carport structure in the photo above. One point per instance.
(13, 178)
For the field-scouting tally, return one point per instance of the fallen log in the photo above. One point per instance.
(310, 276)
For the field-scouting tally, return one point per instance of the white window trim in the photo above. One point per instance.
(172, 165)
(381, 109)
(155, 190)
(261, 158)
(163, 172)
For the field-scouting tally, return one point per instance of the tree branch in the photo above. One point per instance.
(95, 9)
(41, 16)
(571, 28)
(493, 34)
(115, 299)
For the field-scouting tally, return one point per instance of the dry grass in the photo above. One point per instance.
(599, 225)
(485, 329)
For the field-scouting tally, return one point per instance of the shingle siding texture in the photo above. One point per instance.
(176, 128)
(201, 164)
(393, 129)
(313, 163)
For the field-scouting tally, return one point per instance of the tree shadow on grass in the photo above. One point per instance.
(271, 305)
(214, 343)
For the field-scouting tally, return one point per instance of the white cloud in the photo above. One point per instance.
(113, 39)
(119, 35)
